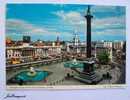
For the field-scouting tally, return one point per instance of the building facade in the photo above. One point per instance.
(32, 52)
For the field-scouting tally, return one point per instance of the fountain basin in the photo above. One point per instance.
(71, 64)
(26, 77)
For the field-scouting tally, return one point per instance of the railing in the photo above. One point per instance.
(35, 62)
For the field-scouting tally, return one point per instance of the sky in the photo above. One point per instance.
(47, 21)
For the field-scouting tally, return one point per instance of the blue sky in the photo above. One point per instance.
(47, 21)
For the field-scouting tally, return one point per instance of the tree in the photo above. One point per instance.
(103, 58)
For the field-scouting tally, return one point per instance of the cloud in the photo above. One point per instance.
(109, 23)
(71, 17)
(72, 20)
(23, 27)
(111, 32)
(20, 26)
(108, 34)
(115, 24)
(17, 28)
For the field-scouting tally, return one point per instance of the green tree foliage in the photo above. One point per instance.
(103, 58)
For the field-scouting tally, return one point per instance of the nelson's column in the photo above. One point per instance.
(89, 75)
(88, 65)
(88, 34)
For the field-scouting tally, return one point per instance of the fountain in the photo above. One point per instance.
(32, 72)
(75, 62)
(30, 75)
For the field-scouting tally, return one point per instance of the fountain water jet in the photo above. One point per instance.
(32, 72)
